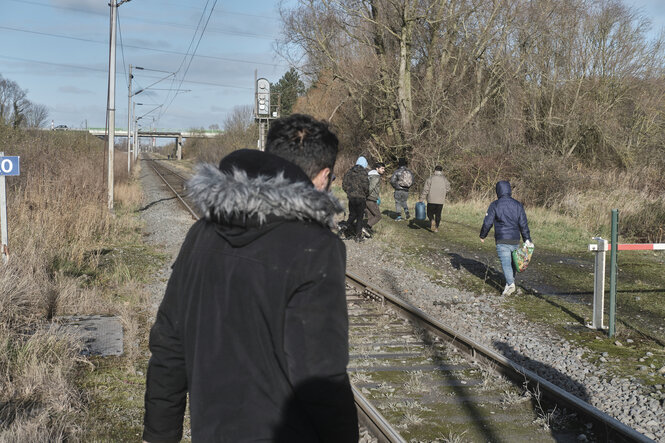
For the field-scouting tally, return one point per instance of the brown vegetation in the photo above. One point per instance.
(61, 237)
(564, 98)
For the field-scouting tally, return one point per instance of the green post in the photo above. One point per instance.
(613, 268)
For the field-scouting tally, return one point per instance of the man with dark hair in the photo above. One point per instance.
(401, 181)
(374, 197)
(356, 185)
(253, 324)
(435, 190)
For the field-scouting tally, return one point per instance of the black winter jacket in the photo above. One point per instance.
(356, 182)
(253, 324)
(508, 217)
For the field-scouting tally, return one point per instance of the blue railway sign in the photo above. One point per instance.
(9, 165)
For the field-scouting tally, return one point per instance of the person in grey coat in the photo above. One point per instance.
(434, 192)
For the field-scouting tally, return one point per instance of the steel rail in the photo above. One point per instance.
(372, 419)
(604, 424)
(182, 200)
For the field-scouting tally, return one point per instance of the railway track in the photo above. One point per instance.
(432, 383)
(174, 181)
(416, 380)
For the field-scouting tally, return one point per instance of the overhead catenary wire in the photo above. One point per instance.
(164, 51)
(163, 111)
(122, 51)
(105, 71)
(182, 62)
(203, 28)
(157, 22)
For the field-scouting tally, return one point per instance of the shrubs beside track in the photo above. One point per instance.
(68, 256)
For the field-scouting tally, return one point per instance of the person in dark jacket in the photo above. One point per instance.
(401, 181)
(374, 197)
(509, 220)
(356, 185)
(253, 324)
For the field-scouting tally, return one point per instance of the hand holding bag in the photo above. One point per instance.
(522, 256)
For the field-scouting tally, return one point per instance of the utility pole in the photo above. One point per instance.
(137, 141)
(130, 116)
(135, 126)
(129, 119)
(110, 107)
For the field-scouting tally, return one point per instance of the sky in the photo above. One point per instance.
(58, 50)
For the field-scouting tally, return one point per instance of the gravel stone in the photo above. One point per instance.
(483, 318)
(165, 225)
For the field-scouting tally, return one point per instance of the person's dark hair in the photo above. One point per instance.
(378, 165)
(304, 141)
(401, 161)
(438, 168)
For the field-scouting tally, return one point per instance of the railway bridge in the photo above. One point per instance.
(178, 135)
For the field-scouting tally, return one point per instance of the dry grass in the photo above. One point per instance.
(60, 235)
(415, 383)
(126, 194)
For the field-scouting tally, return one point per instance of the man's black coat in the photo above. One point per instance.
(356, 182)
(253, 324)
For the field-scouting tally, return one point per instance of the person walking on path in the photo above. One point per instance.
(401, 181)
(509, 220)
(253, 325)
(434, 192)
(356, 185)
(372, 210)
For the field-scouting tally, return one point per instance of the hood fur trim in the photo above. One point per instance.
(224, 196)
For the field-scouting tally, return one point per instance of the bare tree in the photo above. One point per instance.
(13, 103)
(36, 116)
(576, 80)
(240, 132)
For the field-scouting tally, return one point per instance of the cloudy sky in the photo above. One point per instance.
(58, 51)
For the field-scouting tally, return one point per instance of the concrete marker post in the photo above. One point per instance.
(599, 284)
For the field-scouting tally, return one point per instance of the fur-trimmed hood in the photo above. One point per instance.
(269, 191)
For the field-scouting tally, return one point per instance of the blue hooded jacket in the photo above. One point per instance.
(508, 217)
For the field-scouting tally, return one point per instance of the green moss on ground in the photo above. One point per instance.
(115, 392)
(562, 266)
(114, 387)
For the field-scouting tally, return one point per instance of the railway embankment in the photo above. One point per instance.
(459, 284)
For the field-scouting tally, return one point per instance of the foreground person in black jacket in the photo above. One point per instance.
(253, 324)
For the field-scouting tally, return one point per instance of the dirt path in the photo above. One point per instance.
(562, 279)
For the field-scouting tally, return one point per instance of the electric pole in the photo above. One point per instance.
(136, 130)
(110, 107)
(129, 119)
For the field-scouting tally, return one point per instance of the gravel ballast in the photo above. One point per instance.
(481, 317)
(484, 319)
